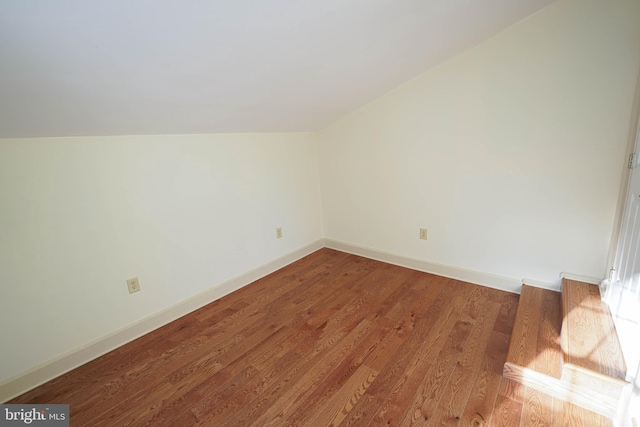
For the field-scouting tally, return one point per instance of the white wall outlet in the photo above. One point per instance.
(279, 232)
(133, 285)
(423, 233)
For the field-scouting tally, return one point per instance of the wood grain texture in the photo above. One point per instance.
(537, 408)
(506, 413)
(566, 414)
(589, 336)
(599, 402)
(532, 340)
(332, 339)
(479, 407)
(549, 355)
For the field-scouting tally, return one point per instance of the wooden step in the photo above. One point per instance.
(535, 340)
(593, 359)
(541, 351)
(589, 338)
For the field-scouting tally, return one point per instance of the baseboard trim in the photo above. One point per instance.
(27, 380)
(544, 285)
(580, 278)
(479, 278)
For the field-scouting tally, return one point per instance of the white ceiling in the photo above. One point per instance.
(128, 67)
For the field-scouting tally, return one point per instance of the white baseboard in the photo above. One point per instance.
(544, 285)
(479, 278)
(25, 381)
(579, 278)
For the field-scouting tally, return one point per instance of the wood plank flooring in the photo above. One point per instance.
(332, 339)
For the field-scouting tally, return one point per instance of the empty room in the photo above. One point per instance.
(320, 213)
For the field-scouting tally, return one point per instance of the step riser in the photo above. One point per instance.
(600, 403)
(579, 377)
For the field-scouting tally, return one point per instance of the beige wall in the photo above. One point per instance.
(510, 154)
(183, 213)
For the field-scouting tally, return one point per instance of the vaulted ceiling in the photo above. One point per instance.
(129, 67)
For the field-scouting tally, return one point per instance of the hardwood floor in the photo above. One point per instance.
(333, 339)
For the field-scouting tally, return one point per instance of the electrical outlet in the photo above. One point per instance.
(133, 285)
(279, 232)
(423, 233)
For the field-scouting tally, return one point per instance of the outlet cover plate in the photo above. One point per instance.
(133, 285)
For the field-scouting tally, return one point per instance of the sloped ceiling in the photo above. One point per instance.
(129, 67)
